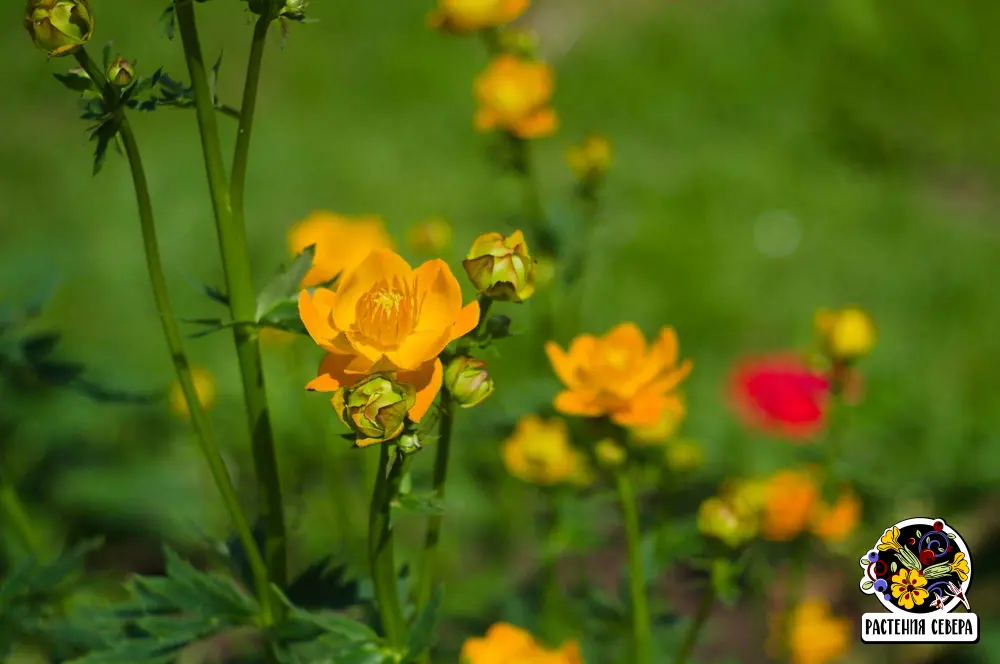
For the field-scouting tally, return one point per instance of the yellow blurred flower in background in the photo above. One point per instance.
(204, 385)
(514, 95)
(845, 334)
(539, 452)
(507, 644)
(618, 375)
(684, 455)
(814, 634)
(341, 243)
(590, 158)
(790, 498)
(468, 15)
(834, 523)
(666, 427)
(609, 453)
(720, 518)
(432, 236)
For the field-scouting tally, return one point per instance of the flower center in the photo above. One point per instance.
(386, 314)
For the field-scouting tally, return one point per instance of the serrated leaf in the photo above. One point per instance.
(425, 504)
(54, 573)
(323, 585)
(36, 348)
(422, 634)
(285, 285)
(210, 594)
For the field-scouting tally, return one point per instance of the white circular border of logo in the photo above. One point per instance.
(957, 539)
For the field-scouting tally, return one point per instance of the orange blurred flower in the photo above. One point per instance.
(618, 375)
(386, 317)
(341, 243)
(513, 96)
(815, 635)
(834, 523)
(468, 15)
(790, 498)
(666, 427)
(506, 644)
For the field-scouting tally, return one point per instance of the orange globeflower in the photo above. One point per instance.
(618, 375)
(513, 96)
(468, 15)
(506, 644)
(386, 317)
(341, 243)
(834, 523)
(790, 498)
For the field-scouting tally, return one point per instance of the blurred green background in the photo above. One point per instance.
(771, 157)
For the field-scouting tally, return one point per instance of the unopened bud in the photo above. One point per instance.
(59, 27)
(846, 334)
(610, 453)
(121, 72)
(501, 268)
(375, 409)
(468, 381)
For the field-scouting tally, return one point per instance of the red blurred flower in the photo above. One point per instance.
(780, 394)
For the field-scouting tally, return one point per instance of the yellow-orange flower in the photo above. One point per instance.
(432, 236)
(341, 243)
(507, 644)
(386, 317)
(539, 451)
(845, 334)
(666, 427)
(514, 95)
(834, 523)
(590, 158)
(618, 375)
(789, 503)
(815, 635)
(909, 588)
(204, 387)
(467, 15)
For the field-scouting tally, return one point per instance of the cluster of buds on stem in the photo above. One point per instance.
(59, 27)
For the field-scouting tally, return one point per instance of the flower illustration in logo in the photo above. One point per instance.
(918, 566)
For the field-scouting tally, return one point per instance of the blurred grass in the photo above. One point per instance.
(874, 128)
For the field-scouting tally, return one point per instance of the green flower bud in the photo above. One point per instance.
(468, 381)
(121, 72)
(295, 9)
(59, 27)
(409, 444)
(375, 409)
(501, 268)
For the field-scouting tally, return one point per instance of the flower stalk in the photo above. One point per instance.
(641, 634)
(236, 266)
(199, 420)
(380, 543)
(433, 536)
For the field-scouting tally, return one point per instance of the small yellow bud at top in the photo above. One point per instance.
(375, 409)
(610, 453)
(432, 236)
(522, 43)
(468, 15)
(539, 452)
(590, 158)
(514, 95)
(204, 387)
(721, 519)
(845, 334)
(684, 455)
(468, 381)
(501, 268)
(59, 27)
(120, 72)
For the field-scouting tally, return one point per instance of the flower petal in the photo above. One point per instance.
(439, 295)
(468, 319)
(665, 348)
(332, 374)
(427, 381)
(539, 124)
(577, 403)
(643, 410)
(562, 364)
(381, 264)
(419, 347)
(315, 310)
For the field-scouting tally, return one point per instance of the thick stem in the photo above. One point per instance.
(199, 420)
(380, 545)
(641, 639)
(440, 477)
(697, 624)
(239, 282)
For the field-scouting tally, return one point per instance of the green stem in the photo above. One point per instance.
(641, 635)
(199, 420)
(694, 629)
(433, 536)
(14, 513)
(552, 597)
(242, 300)
(237, 187)
(794, 582)
(380, 545)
